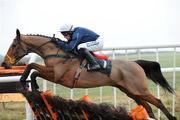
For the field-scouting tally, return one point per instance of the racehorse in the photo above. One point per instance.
(61, 68)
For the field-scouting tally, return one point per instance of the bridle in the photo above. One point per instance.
(30, 49)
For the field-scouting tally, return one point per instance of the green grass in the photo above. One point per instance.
(12, 111)
(17, 110)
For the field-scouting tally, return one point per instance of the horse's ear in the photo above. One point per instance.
(18, 33)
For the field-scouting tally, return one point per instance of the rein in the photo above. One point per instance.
(59, 56)
(33, 49)
(66, 57)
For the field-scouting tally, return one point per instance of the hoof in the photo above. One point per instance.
(25, 85)
(7, 66)
(23, 78)
(34, 89)
(174, 118)
(34, 85)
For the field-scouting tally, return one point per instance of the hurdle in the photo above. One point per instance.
(9, 79)
(50, 107)
(46, 106)
(12, 79)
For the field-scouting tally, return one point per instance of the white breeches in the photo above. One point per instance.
(92, 45)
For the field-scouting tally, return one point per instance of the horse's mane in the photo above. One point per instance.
(40, 35)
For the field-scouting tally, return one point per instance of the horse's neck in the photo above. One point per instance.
(41, 45)
(50, 49)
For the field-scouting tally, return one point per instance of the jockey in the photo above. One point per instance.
(82, 40)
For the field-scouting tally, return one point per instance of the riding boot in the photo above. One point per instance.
(93, 65)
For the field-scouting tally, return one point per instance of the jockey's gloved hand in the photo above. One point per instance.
(54, 40)
(61, 44)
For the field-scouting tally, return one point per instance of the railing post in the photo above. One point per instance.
(158, 89)
(174, 81)
(86, 92)
(54, 88)
(101, 89)
(72, 94)
(139, 53)
(114, 89)
(44, 85)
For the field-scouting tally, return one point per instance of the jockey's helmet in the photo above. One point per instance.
(66, 28)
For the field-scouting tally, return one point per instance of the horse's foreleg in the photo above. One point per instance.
(40, 68)
(43, 72)
(46, 72)
(35, 74)
(34, 85)
(26, 73)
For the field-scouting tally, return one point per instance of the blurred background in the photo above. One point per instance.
(120, 22)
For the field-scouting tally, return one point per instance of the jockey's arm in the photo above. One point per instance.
(68, 46)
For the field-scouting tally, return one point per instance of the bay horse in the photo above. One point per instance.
(61, 67)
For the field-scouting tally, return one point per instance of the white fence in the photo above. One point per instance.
(173, 48)
(126, 51)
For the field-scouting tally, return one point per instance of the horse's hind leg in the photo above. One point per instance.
(139, 102)
(157, 102)
(146, 106)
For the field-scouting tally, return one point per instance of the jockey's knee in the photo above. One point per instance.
(83, 45)
(92, 45)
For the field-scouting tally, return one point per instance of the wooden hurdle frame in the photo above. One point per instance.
(11, 79)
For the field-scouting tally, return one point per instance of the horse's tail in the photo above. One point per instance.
(153, 72)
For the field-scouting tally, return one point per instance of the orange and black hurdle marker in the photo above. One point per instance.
(15, 70)
(10, 87)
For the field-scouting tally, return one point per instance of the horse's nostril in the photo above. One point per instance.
(7, 66)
